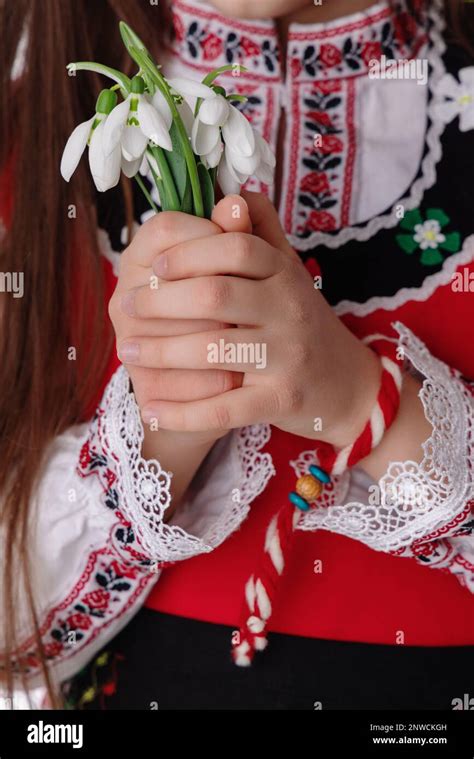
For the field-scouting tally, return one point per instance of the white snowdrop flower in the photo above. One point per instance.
(136, 121)
(229, 179)
(265, 170)
(235, 169)
(238, 134)
(212, 115)
(105, 169)
(458, 98)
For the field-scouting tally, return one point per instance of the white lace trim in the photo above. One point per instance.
(144, 487)
(428, 165)
(256, 469)
(416, 499)
(422, 293)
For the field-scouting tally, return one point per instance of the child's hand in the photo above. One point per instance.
(168, 384)
(311, 366)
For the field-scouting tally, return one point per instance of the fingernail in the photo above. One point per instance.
(128, 304)
(149, 415)
(160, 265)
(128, 353)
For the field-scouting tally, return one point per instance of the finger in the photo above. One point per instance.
(232, 253)
(164, 230)
(265, 221)
(166, 327)
(231, 214)
(178, 385)
(226, 299)
(237, 408)
(235, 349)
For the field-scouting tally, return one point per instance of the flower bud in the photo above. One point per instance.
(106, 102)
(137, 85)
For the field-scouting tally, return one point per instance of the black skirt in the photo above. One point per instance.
(161, 661)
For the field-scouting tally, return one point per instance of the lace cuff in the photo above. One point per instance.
(413, 502)
(233, 475)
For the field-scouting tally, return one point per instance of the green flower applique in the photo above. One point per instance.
(427, 235)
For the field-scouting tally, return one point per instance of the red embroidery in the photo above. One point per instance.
(329, 55)
(315, 182)
(97, 599)
(179, 29)
(249, 47)
(79, 621)
(350, 160)
(371, 51)
(212, 47)
(321, 221)
(330, 144)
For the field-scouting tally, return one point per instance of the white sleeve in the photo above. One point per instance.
(98, 539)
(416, 510)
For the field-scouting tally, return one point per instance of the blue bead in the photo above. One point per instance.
(320, 474)
(299, 502)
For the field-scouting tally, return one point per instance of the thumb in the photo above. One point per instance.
(231, 214)
(265, 221)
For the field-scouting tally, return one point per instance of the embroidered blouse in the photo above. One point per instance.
(377, 200)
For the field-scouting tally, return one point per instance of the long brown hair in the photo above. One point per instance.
(42, 391)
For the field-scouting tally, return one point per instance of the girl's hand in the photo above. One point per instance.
(304, 371)
(179, 452)
(159, 233)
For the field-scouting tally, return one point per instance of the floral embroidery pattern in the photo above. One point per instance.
(110, 582)
(351, 52)
(427, 236)
(325, 67)
(458, 99)
(253, 106)
(323, 162)
(205, 37)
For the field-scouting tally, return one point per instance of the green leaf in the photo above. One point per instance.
(171, 198)
(213, 175)
(431, 257)
(452, 242)
(407, 243)
(129, 38)
(411, 219)
(187, 201)
(207, 190)
(177, 163)
(438, 215)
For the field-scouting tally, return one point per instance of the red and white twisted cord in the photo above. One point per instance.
(261, 588)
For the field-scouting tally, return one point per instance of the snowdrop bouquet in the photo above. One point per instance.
(154, 129)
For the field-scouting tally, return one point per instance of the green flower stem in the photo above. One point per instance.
(147, 195)
(122, 80)
(221, 70)
(147, 65)
(159, 183)
(167, 179)
(208, 80)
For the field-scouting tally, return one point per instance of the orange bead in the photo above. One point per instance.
(309, 487)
